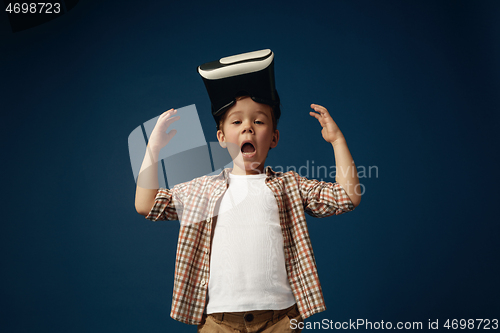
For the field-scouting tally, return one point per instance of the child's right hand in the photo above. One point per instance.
(159, 137)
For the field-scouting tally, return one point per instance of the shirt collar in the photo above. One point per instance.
(270, 173)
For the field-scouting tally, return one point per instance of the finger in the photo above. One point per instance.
(170, 135)
(319, 108)
(315, 115)
(318, 114)
(168, 113)
(169, 121)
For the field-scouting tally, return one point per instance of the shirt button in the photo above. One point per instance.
(249, 317)
(206, 251)
(209, 220)
(203, 282)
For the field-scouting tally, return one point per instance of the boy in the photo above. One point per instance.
(244, 259)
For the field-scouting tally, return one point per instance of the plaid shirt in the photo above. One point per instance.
(193, 203)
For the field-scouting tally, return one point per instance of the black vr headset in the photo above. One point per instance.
(247, 74)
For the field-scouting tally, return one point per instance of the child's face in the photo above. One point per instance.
(248, 133)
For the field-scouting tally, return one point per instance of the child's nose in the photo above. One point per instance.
(247, 128)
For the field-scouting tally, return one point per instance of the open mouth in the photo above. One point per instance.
(247, 149)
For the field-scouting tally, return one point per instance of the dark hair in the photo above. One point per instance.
(220, 119)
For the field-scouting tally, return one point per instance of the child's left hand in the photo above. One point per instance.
(331, 132)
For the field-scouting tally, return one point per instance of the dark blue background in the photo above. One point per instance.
(414, 86)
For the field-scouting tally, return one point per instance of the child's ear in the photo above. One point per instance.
(221, 138)
(276, 138)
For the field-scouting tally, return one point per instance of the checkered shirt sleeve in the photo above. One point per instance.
(322, 199)
(165, 205)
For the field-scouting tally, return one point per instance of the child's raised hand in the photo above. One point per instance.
(331, 132)
(159, 137)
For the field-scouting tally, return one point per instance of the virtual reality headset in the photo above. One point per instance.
(247, 74)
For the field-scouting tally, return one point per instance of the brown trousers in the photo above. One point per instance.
(264, 321)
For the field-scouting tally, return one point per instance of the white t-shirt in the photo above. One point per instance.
(247, 264)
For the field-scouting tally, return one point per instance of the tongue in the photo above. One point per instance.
(248, 148)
